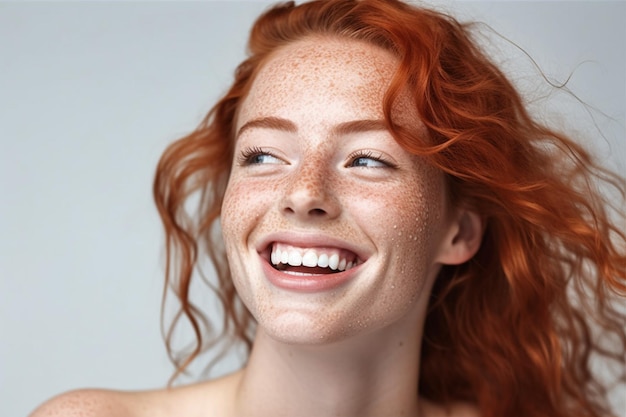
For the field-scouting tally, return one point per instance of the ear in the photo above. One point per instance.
(462, 239)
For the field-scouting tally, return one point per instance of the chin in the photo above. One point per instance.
(300, 328)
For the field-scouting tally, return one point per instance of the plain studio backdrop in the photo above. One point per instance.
(90, 95)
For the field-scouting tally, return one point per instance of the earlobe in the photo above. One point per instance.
(463, 238)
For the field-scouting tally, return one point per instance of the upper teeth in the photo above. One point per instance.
(334, 259)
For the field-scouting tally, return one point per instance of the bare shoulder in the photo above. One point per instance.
(191, 400)
(109, 403)
(87, 403)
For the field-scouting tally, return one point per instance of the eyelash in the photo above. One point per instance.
(368, 154)
(248, 154)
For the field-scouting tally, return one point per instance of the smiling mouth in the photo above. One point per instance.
(314, 261)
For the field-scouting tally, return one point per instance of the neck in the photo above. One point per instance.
(366, 375)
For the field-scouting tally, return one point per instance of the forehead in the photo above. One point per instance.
(340, 73)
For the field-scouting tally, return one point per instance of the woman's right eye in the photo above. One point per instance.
(258, 156)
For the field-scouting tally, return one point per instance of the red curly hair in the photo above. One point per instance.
(552, 264)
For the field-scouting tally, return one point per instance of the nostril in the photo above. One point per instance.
(317, 212)
(303, 204)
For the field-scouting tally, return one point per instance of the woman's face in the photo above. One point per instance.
(331, 228)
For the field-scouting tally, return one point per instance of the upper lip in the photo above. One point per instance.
(310, 240)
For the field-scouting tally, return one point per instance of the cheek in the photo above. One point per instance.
(407, 214)
(421, 233)
(408, 220)
(241, 208)
(423, 220)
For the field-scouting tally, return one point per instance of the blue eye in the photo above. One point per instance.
(367, 159)
(258, 156)
(263, 159)
(367, 163)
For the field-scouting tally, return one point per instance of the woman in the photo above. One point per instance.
(398, 235)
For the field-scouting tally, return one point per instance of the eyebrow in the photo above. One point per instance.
(346, 128)
(359, 126)
(275, 123)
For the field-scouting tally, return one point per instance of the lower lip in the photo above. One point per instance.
(307, 283)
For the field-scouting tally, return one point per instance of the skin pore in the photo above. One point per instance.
(315, 171)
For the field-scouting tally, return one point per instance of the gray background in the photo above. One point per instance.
(91, 93)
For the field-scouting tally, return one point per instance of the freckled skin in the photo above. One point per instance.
(396, 215)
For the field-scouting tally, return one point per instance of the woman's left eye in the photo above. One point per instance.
(367, 159)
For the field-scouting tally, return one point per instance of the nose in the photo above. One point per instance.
(310, 194)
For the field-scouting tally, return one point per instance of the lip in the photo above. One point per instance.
(307, 283)
(313, 282)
